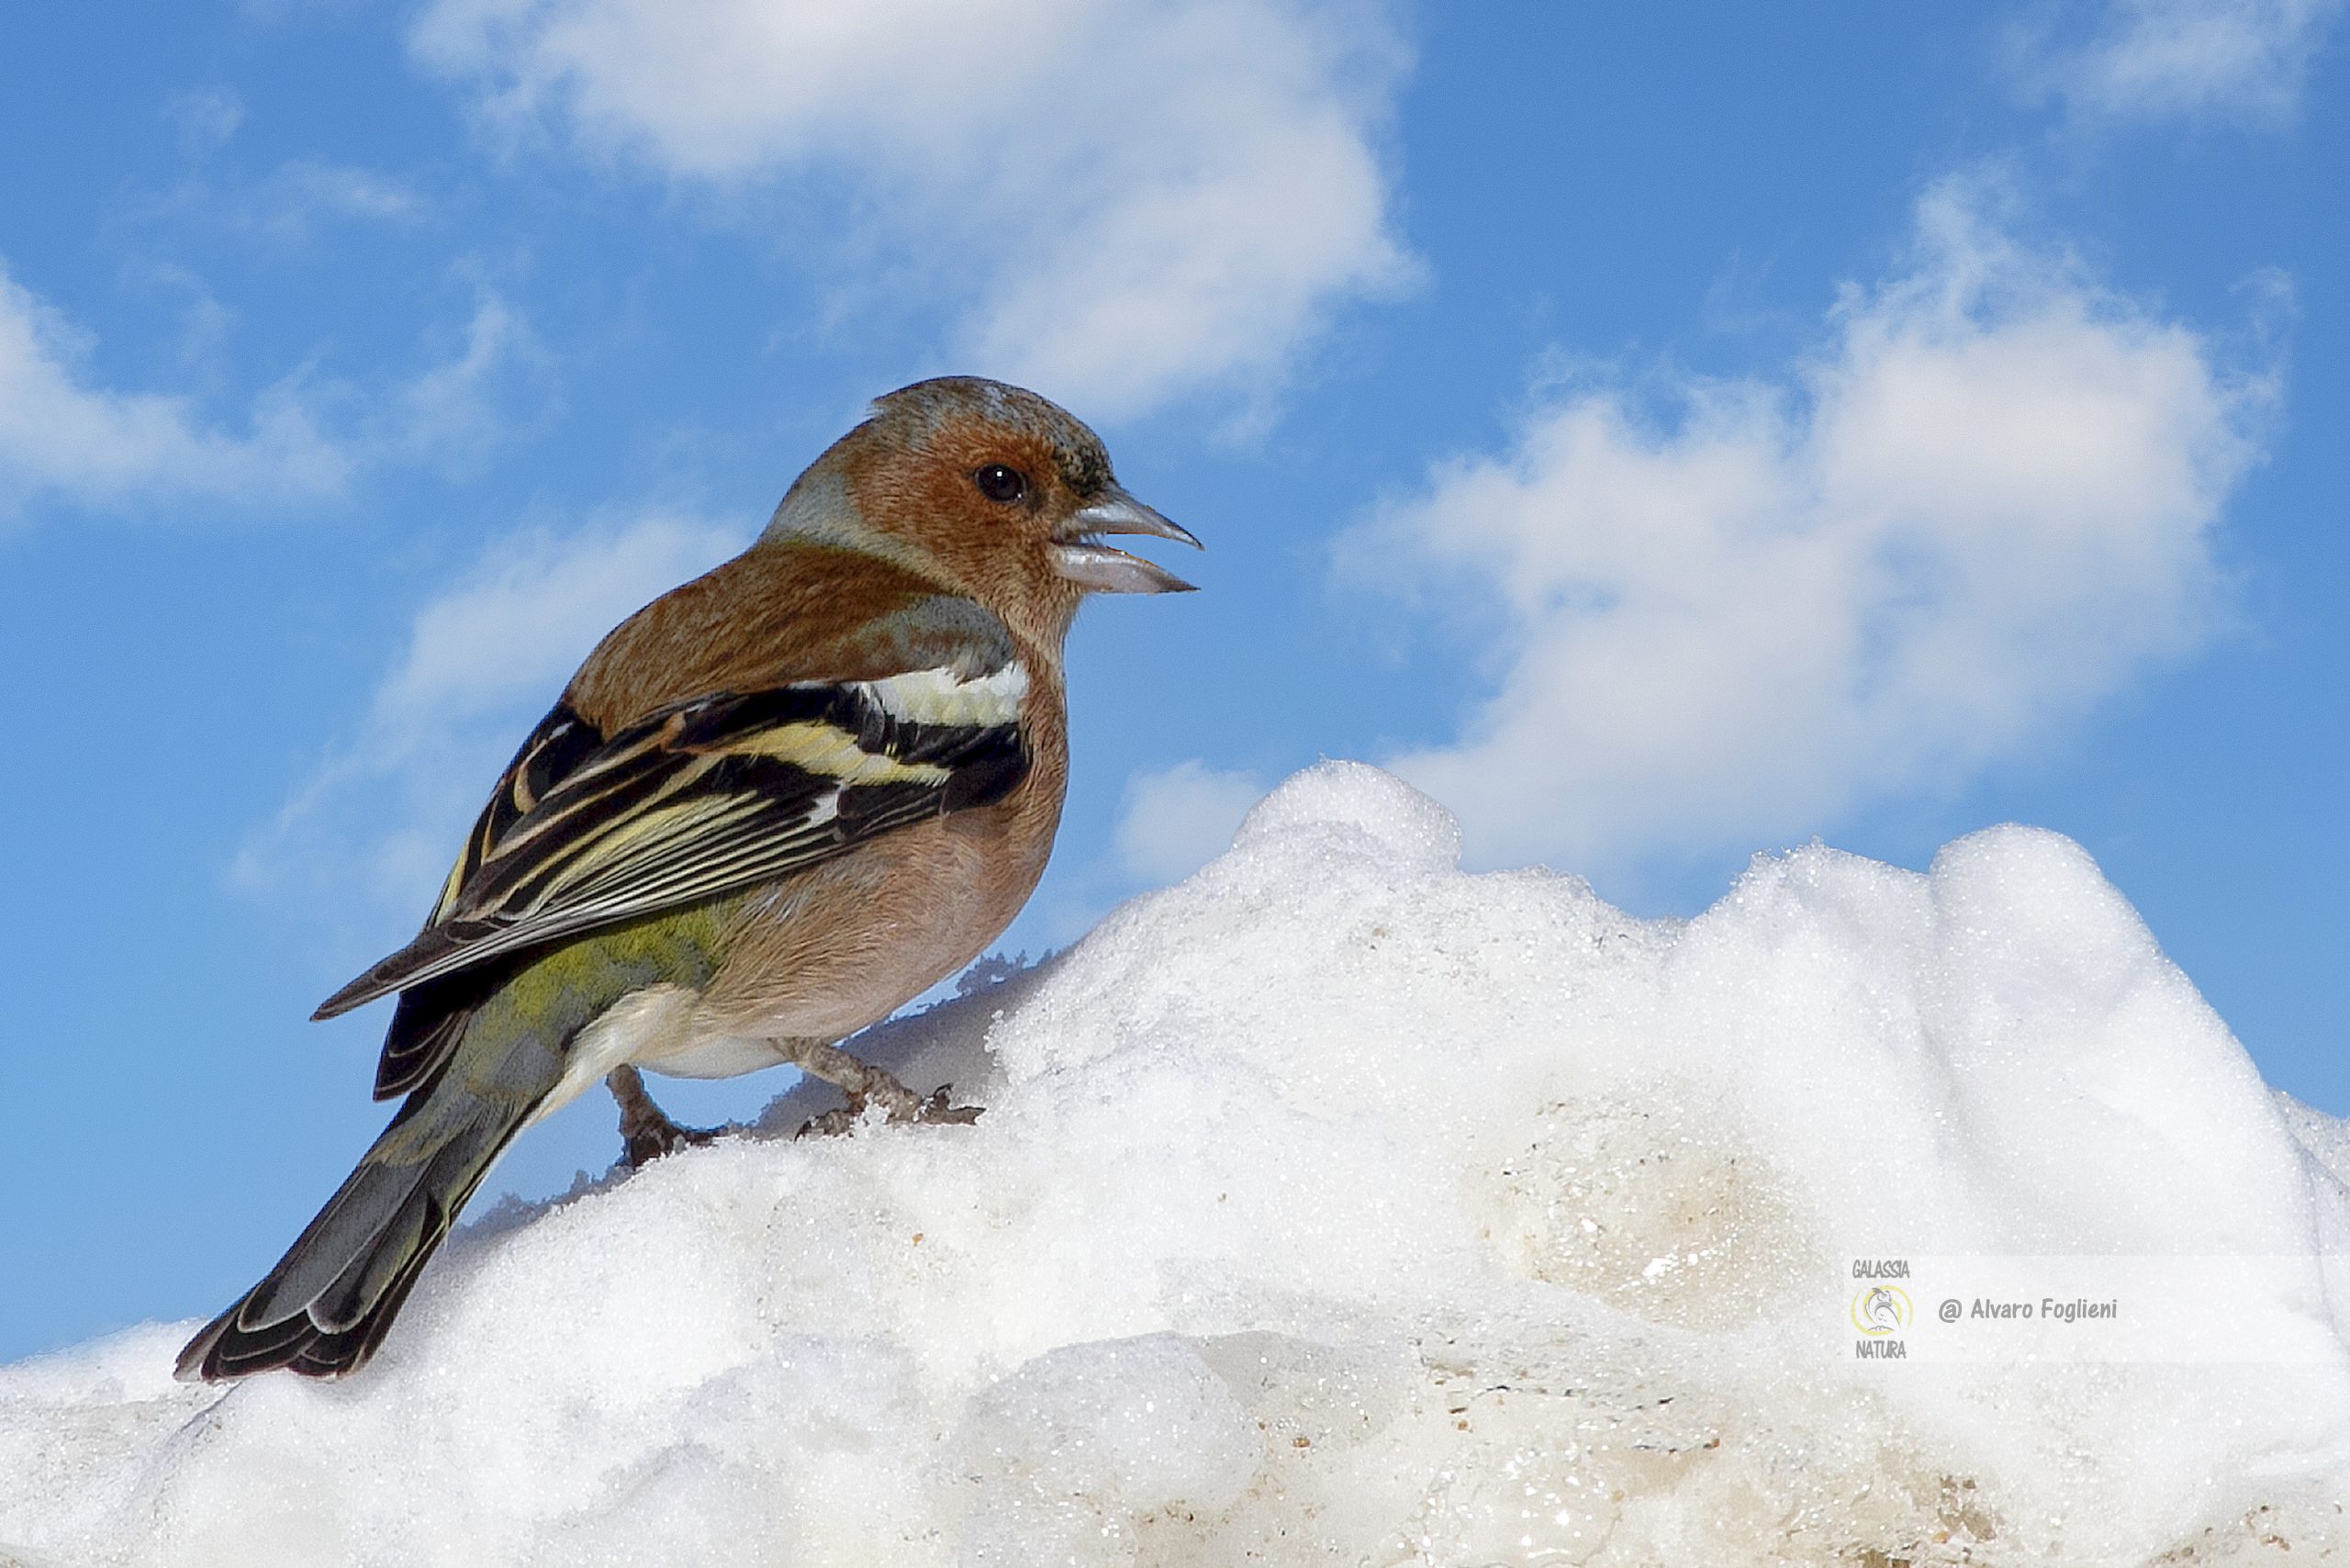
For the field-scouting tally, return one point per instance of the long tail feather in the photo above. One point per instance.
(324, 1308)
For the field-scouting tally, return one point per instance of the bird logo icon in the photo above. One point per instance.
(1881, 1310)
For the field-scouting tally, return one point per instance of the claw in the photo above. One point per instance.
(941, 1107)
(900, 1102)
(643, 1144)
(646, 1131)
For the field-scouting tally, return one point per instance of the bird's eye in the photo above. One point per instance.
(1000, 483)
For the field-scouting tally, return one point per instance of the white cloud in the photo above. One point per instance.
(2247, 59)
(454, 411)
(304, 191)
(205, 118)
(511, 630)
(289, 202)
(1175, 820)
(1130, 200)
(1987, 503)
(484, 659)
(60, 434)
(62, 437)
(289, 205)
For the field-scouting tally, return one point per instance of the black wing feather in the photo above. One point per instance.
(702, 799)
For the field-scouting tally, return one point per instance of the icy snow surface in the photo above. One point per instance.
(1335, 1206)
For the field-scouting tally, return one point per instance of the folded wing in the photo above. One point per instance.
(703, 798)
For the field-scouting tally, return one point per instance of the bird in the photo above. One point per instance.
(771, 807)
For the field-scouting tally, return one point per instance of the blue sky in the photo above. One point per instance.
(1666, 434)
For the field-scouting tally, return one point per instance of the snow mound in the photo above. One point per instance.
(1337, 1207)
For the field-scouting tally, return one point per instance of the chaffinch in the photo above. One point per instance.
(772, 806)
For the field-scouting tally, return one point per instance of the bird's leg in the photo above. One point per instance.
(646, 1131)
(865, 1084)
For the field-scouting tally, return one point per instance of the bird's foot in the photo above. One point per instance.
(863, 1086)
(941, 1107)
(899, 1103)
(643, 1142)
(646, 1131)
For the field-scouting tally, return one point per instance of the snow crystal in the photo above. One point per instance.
(1334, 1206)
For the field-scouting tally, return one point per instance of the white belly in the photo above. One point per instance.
(653, 1029)
(641, 1021)
(714, 1056)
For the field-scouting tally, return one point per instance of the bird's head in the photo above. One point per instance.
(988, 488)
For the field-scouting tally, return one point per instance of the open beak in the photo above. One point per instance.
(1081, 557)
